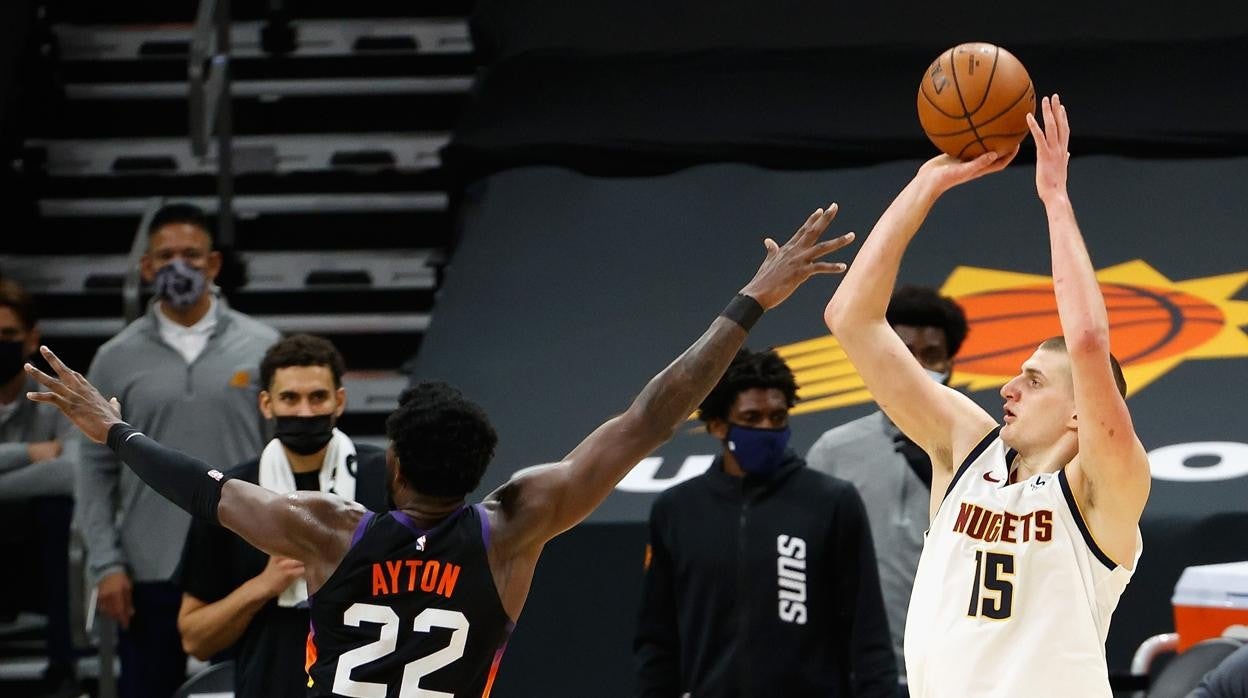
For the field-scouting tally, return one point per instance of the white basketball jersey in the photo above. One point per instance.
(1012, 595)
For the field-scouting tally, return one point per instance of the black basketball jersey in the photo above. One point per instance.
(409, 612)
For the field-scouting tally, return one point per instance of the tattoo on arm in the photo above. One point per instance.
(671, 396)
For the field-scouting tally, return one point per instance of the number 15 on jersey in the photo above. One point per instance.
(992, 590)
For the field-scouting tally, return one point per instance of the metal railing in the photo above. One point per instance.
(209, 99)
(132, 285)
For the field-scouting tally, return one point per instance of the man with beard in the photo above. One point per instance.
(234, 593)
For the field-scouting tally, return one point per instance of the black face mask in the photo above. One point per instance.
(305, 435)
(12, 357)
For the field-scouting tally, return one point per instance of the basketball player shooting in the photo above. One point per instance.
(1034, 524)
(419, 601)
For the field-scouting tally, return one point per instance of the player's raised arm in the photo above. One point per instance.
(539, 503)
(1111, 475)
(944, 422)
(307, 526)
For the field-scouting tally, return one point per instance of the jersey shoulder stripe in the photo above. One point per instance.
(366, 522)
(484, 515)
(971, 457)
(1081, 524)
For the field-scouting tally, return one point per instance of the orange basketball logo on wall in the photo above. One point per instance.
(1155, 324)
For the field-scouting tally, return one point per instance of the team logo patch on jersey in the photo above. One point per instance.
(420, 543)
(216, 475)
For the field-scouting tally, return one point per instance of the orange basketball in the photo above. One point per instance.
(975, 98)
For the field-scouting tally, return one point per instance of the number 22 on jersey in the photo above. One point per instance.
(385, 644)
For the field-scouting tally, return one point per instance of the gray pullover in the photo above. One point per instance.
(206, 409)
(897, 501)
(28, 423)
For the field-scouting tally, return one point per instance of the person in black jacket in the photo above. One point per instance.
(761, 578)
(236, 596)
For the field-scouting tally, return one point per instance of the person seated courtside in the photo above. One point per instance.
(233, 594)
(37, 455)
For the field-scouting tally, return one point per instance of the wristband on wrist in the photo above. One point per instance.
(743, 310)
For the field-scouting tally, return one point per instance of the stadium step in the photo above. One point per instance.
(318, 323)
(264, 222)
(325, 270)
(118, 110)
(272, 154)
(343, 219)
(373, 392)
(374, 36)
(166, 11)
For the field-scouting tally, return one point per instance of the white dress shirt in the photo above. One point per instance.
(188, 341)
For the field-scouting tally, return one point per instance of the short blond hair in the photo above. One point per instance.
(1059, 344)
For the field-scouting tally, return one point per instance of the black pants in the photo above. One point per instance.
(153, 664)
(53, 515)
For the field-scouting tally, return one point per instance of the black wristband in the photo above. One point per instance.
(743, 310)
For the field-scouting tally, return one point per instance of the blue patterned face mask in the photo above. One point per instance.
(941, 377)
(179, 283)
(759, 452)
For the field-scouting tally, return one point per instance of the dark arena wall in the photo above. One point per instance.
(616, 89)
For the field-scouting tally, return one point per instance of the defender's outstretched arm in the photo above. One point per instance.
(539, 503)
(307, 526)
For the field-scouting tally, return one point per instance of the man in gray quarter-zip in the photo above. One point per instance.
(893, 475)
(186, 373)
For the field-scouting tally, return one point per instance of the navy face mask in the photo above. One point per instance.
(179, 283)
(759, 452)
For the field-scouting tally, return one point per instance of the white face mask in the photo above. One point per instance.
(941, 377)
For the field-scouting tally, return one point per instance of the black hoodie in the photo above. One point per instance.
(762, 588)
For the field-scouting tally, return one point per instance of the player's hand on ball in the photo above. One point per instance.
(77, 399)
(790, 265)
(946, 172)
(1052, 147)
